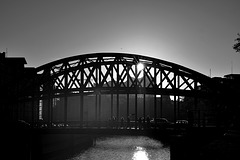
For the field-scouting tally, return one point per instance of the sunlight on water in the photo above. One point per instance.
(140, 154)
(126, 148)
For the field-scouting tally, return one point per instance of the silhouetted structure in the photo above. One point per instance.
(12, 76)
(87, 90)
(227, 91)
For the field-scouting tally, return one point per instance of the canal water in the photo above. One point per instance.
(125, 148)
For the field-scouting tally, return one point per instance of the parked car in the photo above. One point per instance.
(160, 123)
(182, 123)
(21, 124)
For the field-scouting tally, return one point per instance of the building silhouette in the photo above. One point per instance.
(13, 77)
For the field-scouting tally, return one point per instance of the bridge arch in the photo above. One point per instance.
(93, 72)
(113, 74)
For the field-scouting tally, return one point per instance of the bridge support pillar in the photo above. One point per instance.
(117, 107)
(65, 110)
(155, 110)
(136, 115)
(144, 108)
(111, 105)
(96, 104)
(175, 109)
(161, 105)
(99, 109)
(81, 109)
(128, 105)
(49, 110)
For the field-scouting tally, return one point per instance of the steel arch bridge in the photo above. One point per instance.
(112, 74)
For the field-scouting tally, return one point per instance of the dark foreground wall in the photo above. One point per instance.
(59, 146)
(26, 144)
(23, 143)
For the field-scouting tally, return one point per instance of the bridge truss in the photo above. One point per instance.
(112, 74)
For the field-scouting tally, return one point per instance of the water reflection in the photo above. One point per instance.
(126, 148)
(140, 154)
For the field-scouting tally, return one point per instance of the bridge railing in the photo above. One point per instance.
(101, 125)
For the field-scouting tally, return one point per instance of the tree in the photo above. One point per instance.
(236, 46)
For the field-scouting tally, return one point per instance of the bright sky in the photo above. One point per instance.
(196, 34)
